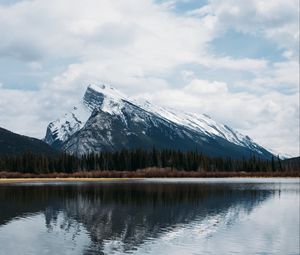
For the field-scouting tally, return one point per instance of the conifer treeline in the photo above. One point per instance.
(131, 160)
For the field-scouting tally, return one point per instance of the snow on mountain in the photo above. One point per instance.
(61, 129)
(104, 97)
(198, 122)
(109, 100)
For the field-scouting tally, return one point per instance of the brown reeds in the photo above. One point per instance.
(148, 173)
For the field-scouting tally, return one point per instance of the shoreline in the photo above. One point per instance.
(78, 180)
(94, 176)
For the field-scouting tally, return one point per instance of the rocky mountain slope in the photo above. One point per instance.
(109, 120)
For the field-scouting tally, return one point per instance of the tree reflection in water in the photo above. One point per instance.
(129, 213)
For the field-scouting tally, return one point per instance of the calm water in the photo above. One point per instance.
(174, 216)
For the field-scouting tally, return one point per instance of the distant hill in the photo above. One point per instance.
(291, 164)
(12, 143)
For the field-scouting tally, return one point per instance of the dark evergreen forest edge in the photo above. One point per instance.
(143, 163)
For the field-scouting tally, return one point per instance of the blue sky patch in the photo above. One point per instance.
(240, 45)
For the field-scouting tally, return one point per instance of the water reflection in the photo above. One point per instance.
(129, 217)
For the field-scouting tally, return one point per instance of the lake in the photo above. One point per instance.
(151, 216)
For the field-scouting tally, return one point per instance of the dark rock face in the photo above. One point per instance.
(93, 99)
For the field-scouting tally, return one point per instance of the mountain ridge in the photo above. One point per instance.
(142, 124)
(12, 144)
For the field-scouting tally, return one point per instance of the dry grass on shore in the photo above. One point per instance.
(143, 173)
(69, 179)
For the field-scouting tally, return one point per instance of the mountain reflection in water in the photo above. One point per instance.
(120, 217)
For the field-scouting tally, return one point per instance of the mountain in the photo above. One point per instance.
(109, 120)
(12, 143)
(291, 164)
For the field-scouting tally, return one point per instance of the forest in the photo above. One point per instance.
(132, 160)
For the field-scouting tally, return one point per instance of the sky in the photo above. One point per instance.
(237, 61)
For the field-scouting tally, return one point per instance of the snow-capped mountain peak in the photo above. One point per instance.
(142, 120)
(103, 97)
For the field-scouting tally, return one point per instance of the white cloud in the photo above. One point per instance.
(203, 87)
(277, 20)
(243, 64)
